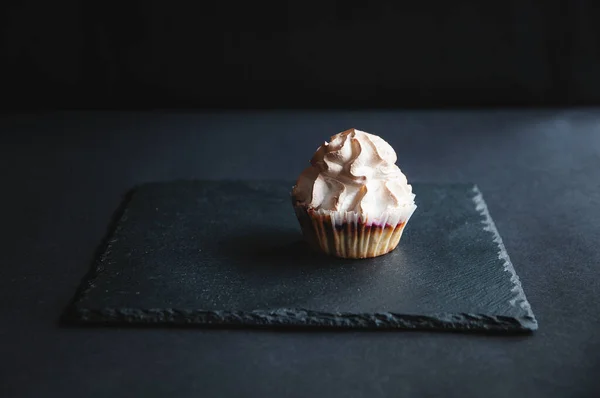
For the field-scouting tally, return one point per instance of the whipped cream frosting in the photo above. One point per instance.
(356, 172)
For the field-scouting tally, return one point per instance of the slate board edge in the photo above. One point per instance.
(519, 294)
(287, 317)
(102, 252)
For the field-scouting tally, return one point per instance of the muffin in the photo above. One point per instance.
(353, 201)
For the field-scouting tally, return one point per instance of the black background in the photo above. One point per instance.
(306, 54)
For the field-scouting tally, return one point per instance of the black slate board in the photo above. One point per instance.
(231, 254)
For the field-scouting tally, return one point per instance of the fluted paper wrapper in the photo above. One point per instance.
(351, 235)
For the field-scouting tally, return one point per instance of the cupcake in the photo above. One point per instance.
(353, 201)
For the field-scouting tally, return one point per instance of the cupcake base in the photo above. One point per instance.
(348, 235)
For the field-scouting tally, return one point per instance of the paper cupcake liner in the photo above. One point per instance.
(352, 235)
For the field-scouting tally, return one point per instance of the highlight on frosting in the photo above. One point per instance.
(355, 171)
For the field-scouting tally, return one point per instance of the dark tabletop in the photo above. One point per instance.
(64, 174)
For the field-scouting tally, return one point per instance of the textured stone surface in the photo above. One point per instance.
(230, 254)
(66, 173)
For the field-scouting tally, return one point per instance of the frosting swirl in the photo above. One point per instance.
(355, 171)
